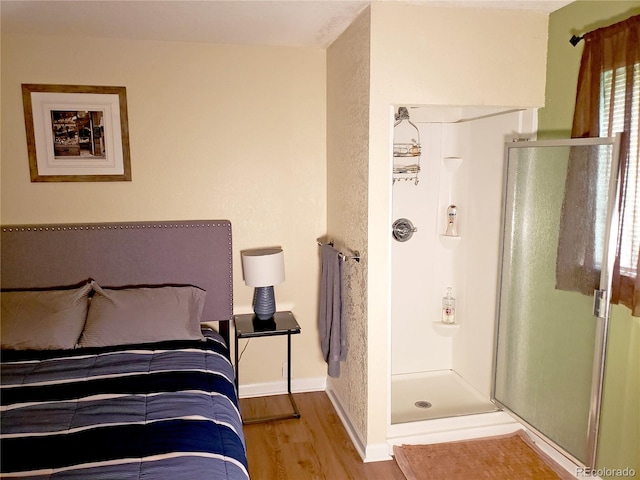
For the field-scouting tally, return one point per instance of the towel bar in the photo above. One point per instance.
(343, 257)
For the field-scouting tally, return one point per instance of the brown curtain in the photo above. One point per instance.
(616, 49)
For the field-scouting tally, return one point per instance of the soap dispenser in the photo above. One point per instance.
(449, 307)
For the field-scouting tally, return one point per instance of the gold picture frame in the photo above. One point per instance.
(77, 133)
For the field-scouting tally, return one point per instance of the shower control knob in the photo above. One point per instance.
(403, 229)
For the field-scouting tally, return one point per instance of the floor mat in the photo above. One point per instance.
(505, 457)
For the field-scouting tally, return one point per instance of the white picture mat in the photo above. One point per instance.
(43, 103)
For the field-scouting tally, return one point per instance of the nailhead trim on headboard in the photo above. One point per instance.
(36, 228)
(20, 271)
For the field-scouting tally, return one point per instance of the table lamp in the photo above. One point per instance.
(263, 268)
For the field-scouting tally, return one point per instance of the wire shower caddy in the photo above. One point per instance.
(406, 150)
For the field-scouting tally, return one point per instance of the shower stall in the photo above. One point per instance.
(520, 352)
(444, 370)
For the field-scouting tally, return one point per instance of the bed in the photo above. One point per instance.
(115, 360)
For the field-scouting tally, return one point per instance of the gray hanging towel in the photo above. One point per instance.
(333, 339)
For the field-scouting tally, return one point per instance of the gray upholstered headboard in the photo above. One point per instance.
(194, 252)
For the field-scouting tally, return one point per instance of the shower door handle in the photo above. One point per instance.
(600, 303)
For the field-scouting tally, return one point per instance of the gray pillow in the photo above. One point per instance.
(43, 319)
(142, 315)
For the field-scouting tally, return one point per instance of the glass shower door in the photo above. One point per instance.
(549, 343)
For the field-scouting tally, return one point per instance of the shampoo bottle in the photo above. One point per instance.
(449, 307)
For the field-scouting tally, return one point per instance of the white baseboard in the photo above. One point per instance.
(573, 469)
(357, 441)
(368, 453)
(378, 452)
(317, 384)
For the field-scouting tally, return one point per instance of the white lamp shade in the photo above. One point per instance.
(263, 267)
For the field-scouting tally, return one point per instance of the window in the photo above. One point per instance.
(607, 102)
(612, 120)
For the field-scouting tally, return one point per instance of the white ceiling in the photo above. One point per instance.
(297, 23)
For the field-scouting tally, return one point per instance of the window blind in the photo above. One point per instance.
(613, 98)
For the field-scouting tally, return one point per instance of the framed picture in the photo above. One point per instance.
(77, 133)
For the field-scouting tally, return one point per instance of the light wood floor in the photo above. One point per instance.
(316, 446)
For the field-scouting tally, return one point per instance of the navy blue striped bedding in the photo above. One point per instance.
(166, 410)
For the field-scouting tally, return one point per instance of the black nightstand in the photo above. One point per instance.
(249, 326)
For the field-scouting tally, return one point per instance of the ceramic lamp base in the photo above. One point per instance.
(264, 302)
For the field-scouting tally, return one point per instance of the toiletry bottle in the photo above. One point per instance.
(448, 307)
(452, 221)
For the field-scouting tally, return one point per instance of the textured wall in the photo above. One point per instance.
(347, 200)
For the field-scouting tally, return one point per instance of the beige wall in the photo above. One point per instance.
(620, 422)
(434, 56)
(216, 132)
(458, 56)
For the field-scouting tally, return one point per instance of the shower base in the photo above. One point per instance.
(437, 394)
